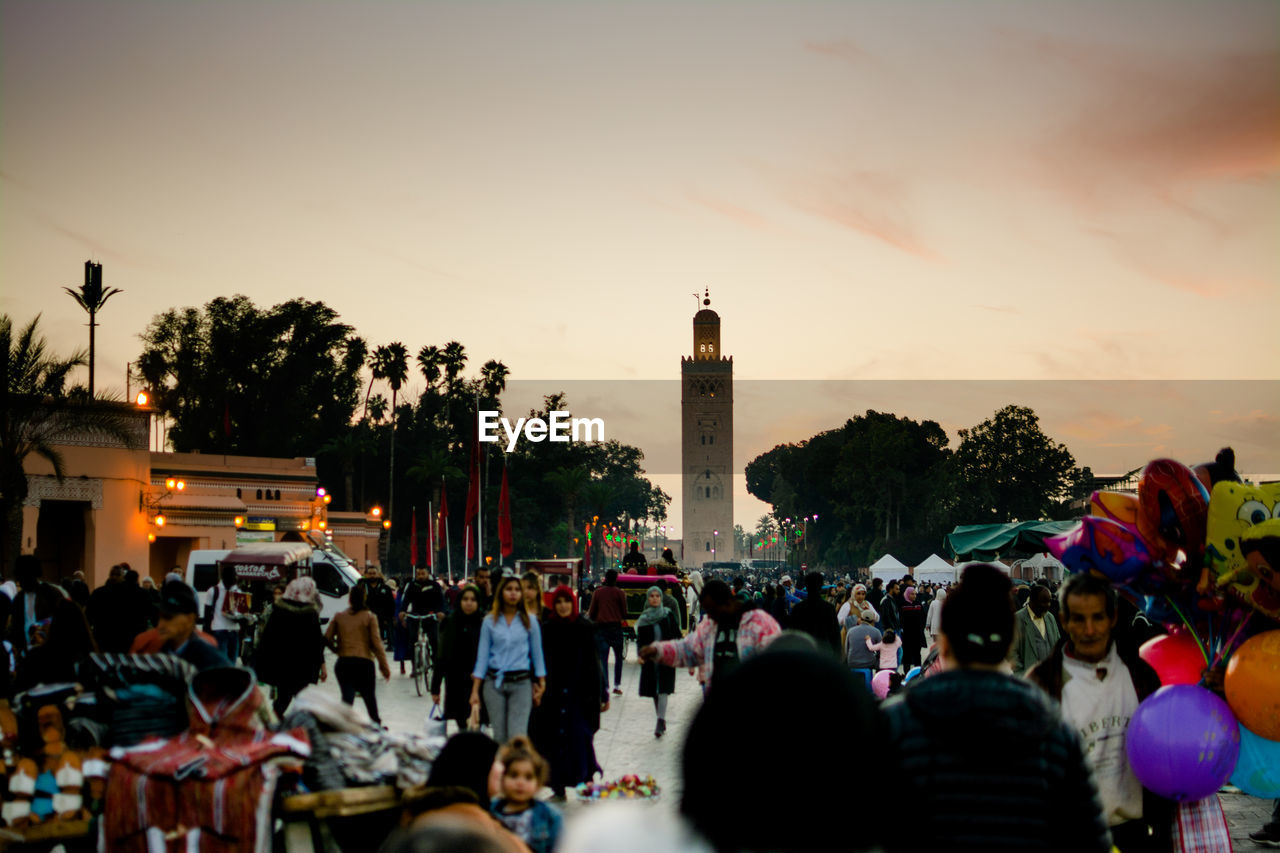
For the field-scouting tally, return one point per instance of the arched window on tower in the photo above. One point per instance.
(708, 548)
(708, 491)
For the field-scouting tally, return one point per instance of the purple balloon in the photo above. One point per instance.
(1183, 742)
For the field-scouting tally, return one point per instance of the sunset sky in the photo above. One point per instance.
(910, 190)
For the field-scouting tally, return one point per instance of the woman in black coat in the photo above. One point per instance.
(657, 623)
(459, 643)
(291, 655)
(565, 723)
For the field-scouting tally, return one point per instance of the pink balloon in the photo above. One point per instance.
(880, 684)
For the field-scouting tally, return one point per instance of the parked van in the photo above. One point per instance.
(333, 575)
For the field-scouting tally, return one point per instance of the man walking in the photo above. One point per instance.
(1037, 632)
(1100, 682)
(608, 611)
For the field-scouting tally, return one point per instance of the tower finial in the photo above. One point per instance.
(707, 297)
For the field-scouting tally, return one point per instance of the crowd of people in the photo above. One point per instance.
(1002, 717)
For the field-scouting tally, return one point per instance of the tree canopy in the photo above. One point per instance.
(887, 483)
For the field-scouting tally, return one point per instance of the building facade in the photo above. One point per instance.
(119, 502)
(706, 433)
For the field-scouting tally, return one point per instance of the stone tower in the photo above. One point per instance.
(706, 440)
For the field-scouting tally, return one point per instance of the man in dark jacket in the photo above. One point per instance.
(177, 628)
(1098, 678)
(380, 600)
(985, 758)
(890, 613)
(817, 617)
(35, 601)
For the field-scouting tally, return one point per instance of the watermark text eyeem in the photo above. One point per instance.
(560, 427)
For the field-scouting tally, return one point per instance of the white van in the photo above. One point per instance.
(333, 575)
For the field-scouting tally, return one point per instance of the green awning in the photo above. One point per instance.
(988, 541)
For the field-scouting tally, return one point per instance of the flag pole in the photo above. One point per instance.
(431, 536)
(448, 555)
(479, 495)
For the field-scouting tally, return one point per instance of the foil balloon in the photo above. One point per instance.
(1176, 657)
(1117, 506)
(1103, 546)
(1245, 518)
(1172, 509)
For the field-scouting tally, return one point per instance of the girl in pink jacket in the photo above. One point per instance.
(888, 649)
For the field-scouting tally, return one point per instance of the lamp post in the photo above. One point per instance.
(715, 542)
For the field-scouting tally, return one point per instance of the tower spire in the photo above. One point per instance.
(706, 299)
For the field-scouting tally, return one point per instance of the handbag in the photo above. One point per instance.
(436, 722)
(1201, 827)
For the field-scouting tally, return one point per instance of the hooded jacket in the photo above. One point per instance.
(991, 765)
(292, 649)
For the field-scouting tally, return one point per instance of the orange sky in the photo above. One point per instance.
(913, 190)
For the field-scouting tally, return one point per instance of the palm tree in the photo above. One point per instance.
(91, 297)
(395, 369)
(453, 360)
(429, 360)
(493, 378)
(379, 362)
(37, 410)
(348, 447)
(569, 483)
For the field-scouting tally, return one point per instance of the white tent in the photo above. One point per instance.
(888, 568)
(1045, 565)
(934, 570)
(960, 567)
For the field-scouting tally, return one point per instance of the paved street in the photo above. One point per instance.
(625, 742)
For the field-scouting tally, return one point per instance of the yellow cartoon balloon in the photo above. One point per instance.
(1239, 512)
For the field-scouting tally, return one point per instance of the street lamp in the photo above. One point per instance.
(715, 536)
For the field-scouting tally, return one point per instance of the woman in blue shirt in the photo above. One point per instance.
(509, 663)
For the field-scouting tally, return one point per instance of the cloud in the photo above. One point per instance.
(874, 204)
(843, 49)
(731, 211)
(1160, 121)
(1158, 263)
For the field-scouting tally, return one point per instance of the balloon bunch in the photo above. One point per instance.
(1199, 552)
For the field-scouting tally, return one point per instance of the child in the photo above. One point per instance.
(888, 649)
(524, 773)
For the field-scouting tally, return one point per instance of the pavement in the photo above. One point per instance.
(625, 743)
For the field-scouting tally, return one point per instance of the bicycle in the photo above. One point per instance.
(421, 655)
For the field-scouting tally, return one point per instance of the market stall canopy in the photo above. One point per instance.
(267, 560)
(888, 567)
(986, 541)
(934, 570)
(960, 567)
(1043, 561)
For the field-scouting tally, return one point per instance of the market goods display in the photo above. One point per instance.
(629, 787)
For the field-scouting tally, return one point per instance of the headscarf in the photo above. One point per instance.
(909, 595)
(695, 579)
(652, 615)
(859, 586)
(940, 597)
(775, 685)
(301, 589)
(465, 762)
(558, 593)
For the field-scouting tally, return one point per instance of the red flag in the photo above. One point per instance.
(473, 502)
(413, 540)
(506, 546)
(442, 530)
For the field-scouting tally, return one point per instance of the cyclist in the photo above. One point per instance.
(422, 596)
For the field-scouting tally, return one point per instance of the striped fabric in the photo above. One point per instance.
(208, 790)
(1201, 827)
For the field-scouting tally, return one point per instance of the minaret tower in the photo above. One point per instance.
(706, 439)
